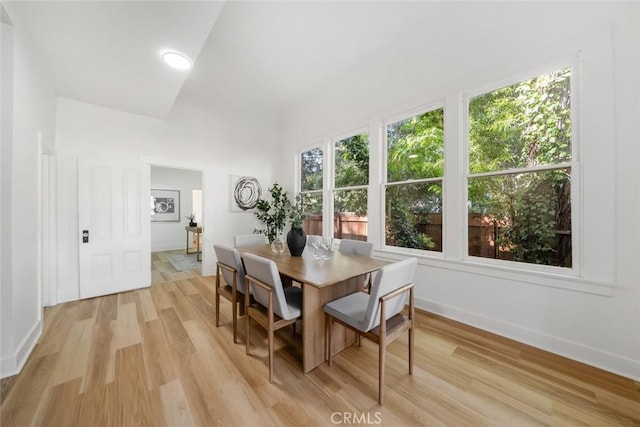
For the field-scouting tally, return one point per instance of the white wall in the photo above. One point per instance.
(172, 235)
(219, 145)
(593, 317)
(28, 94)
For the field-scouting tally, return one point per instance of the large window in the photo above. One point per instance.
(351, 180)
(413, 192)
(311, 167)
(519, 177)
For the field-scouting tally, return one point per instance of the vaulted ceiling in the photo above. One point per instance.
(261, 54)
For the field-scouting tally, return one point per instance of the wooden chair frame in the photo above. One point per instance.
(265, 318)
(384, 334)
(233, 296)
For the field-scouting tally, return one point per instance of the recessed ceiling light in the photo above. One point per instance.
(176, 60)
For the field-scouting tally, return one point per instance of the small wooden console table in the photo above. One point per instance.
(197, 231)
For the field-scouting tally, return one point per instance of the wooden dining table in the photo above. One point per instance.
(322, 281)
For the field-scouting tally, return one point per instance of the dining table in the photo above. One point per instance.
(322, 280)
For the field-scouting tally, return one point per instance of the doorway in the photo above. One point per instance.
(175, 200)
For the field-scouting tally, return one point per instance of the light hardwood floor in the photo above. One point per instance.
(154, 357)
(162, 271)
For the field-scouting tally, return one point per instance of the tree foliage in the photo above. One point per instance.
(415, 147)
(351, 169)
(521, 126)
(415, 151)
(525, 125)
(311, 170)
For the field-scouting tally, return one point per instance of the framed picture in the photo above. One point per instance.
(165, 205)
(245, 193)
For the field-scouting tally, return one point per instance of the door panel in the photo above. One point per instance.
(116, 256)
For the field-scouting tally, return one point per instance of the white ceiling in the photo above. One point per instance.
(265, 55)
(109, 53)
(276, 52)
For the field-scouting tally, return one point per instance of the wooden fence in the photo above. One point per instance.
(482, 232)
(345, 226)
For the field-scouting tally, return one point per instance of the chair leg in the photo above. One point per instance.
(247, 332)
(235, 322)
(270, 355)
(217, 309)
(329, 327)
(411, 350)
(381, 361)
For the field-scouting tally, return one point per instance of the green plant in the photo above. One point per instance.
(296, 213)
(191, 217)
(273, 214)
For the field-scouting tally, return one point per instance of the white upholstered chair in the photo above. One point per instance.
(240, 240)
(358, 247)
(272, 306)
(230, 268)
(378, 316)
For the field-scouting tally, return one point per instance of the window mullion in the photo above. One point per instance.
(454, 183)
(327, 179)
(518, 171)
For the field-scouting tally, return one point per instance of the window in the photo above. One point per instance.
(519, 177)
(351, 180)
(413, 191)
(311, 189)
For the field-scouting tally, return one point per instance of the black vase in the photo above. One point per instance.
(296, 240)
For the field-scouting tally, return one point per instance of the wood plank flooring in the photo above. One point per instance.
(154, 357)
(162, 271)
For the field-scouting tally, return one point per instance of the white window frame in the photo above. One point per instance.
(385, 183)
(331, 191)
(298, 177)
(573, 165)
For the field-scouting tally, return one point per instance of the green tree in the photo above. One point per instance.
(311, 170)
(415, 150)
(521, 126)
(351, 169)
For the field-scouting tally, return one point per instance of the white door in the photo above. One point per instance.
(113, 203)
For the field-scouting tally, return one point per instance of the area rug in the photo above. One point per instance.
(181, 261)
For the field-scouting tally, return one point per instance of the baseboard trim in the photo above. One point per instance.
(13, 364)
(591, 356)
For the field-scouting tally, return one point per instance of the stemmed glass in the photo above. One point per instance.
(315, 244)
(327, 244)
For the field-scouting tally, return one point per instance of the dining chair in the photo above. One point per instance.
(358, 247)
(273, 306)
(241, 240)
(378, 316)
(230, 267)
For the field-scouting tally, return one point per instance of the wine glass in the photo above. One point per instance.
(315, 244)
(327, 244)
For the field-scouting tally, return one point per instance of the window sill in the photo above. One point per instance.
(560, 281)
